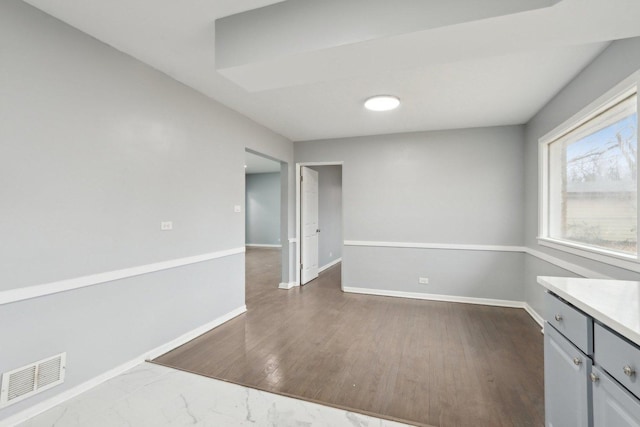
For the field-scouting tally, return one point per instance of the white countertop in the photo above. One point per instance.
(614, 303)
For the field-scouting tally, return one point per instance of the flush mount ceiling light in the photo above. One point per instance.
(382, 103)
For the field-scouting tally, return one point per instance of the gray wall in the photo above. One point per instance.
(262, 219)
(329, 213)
(617, 62)
(97, 149)
(458, 186)
(474, 274)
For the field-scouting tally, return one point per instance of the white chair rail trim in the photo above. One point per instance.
(449, 246)
(19, 294)
(574, 268)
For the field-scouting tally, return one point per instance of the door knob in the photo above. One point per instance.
(318, 230)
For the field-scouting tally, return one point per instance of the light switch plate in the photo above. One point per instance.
(166, 225)
(237, 208)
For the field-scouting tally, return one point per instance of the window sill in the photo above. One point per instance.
(629, 262)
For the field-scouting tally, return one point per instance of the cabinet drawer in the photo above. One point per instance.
(617, 356)
(570, 322)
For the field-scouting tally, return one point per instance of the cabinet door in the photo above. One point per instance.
(612, 404)
(567, 393)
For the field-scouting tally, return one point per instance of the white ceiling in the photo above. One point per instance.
(496, 70)
(259, 164)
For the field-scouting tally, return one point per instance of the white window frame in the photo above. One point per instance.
(624, 89)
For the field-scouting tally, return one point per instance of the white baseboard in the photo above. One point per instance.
(93, 382)
(450, 298)
(534, 314)
(435, 297)
(329, 265)
(186, 337)
(290, 285)
(287, 285)
(260, 245)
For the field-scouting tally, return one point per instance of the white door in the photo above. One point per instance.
(309, 225)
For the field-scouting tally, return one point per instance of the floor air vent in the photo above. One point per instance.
(31, 379)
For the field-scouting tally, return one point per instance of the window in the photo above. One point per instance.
(589, 181)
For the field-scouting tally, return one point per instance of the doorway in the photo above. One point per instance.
(266, 216)
(262, 202)
(318, 218)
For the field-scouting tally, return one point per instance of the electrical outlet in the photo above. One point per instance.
(166, 225)
(423, 281)
(330, 254)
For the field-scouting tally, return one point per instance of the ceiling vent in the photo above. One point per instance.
(32, 379)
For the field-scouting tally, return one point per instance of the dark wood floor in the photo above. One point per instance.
(428, 363)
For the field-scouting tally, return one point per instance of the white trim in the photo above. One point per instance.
(188, 336)
(534, 314)
(435, 297)
(337, 163)
(584, 272)
(260, 245)
(95, 381)
(19, 294)
(543, 174)
(591, 253)
(447, 246)
(329, 265)
(611, 97)
(297, 202)
(287, 286)
(620, 91)
(450, 298)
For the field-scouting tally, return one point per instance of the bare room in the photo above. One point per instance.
(319, 213)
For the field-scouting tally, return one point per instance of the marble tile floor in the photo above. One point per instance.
(156, 396)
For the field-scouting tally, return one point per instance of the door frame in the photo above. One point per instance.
(285, 241)
(298, 210)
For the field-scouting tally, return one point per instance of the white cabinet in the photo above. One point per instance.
(613, 405)
(619, 358)
(566, 379)
(590, 378)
